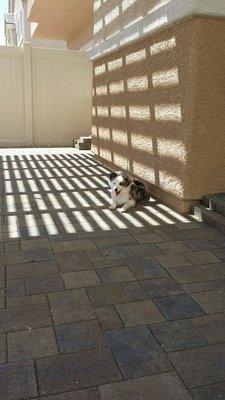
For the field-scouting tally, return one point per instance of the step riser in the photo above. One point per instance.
(211, 218)
(214, 204)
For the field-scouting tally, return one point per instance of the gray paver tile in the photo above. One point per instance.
(202, 257)
(34, 244)
(137, 352)
(161, 287)
(80, 336)
(76, 371)
(2, 348)
(173, 247)
(35, 269)
(215, 391)
(177, 335)
(197, 273)
(109, 318)
(74, 245)
(134, 291)
(26, 301)
(145, 268)
(24, 381)
(200, 244)
(15, 288)
(2, 298)
(86, 394)
(145, 249)
(37, 255)
(178, 307)
(148, 238)
(200, 286)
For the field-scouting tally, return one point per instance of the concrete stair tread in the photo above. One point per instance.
(212, 218)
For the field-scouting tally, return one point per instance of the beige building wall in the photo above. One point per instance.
(158, 110)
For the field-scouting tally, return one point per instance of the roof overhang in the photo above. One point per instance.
(62, 20)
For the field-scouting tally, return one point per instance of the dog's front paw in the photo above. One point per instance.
(112, 207)
(123, 209)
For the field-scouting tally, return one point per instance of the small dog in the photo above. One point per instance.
(124, 191)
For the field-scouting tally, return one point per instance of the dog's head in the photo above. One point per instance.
(118, 181)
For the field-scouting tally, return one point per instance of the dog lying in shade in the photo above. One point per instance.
(124, 191)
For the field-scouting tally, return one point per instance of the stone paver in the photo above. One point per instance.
(137, 352)
(99, 305)
(31, 344)
(139, 313)
(166, 386)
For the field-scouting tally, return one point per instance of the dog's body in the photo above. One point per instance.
(124, 191)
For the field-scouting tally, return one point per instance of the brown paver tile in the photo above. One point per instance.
(76, 371)
(2, 349)
(86, 394)
(109, 318)
(115, 275)
(200, 366)
(206, 233)
(42, 254)
(166, 386)
(2, 278)
(200, 286)
(211, 302)
(171, 233)
(70, 306)
(220, 267)
(202, 257)
(219, 253)
(139, 313)
(35, 244)
(31, 344)
(26, 301)
(173, 247)
(10, 258)
(74, 245)
(20, 318)
(44, 284)
(2, 298)
(115, 241)
(15, 288)
(134, 291)
(80, 336)
(12, 246)
(113, 262)
(80, 279)
(148, 238)
(161, 287)
(145, 249)
(107, 294)
(117, 252)
(18, 381)
(94, 255)
(211, 327)
(215, 391)
(35, 269)
(197, 273)
(73, 261)
(200, 244)
(177, 335)
(172, 260)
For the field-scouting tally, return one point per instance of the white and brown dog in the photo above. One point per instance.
(124, 191)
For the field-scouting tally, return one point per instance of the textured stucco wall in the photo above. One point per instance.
(158, 109)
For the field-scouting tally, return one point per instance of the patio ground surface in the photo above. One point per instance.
(99, 305)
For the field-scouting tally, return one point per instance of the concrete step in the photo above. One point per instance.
(83, 143)
(215, 203)
(212, 218)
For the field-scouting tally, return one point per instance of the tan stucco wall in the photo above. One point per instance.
(161, 117)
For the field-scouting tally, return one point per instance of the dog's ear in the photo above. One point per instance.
(113, 175)
(126, 181)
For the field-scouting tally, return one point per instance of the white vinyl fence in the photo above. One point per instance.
(45, 96)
